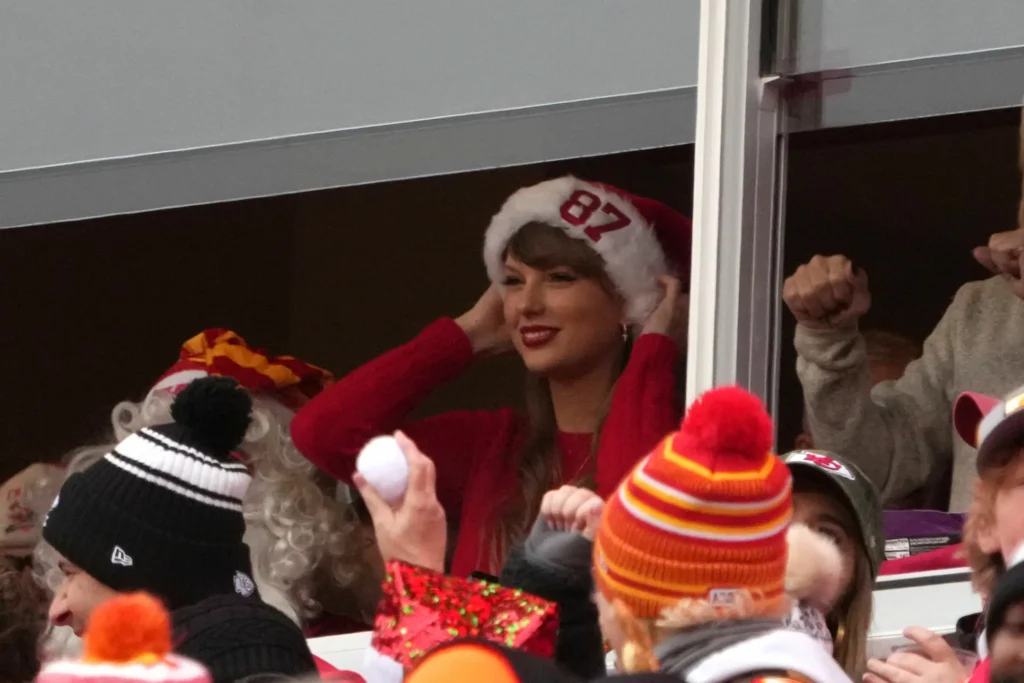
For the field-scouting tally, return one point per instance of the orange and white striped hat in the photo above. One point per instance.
(704, 516)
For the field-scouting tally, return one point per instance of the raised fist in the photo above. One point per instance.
(827, 292)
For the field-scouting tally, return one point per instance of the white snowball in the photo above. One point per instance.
(385, 468)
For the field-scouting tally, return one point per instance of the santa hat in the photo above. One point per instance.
(703, 517)
(639, 239)
(162, 512)
(128, 640)
(223, 353)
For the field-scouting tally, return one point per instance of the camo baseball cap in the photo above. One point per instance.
(989, 424)
(856, 489)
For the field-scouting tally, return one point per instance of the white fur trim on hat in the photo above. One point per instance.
(633, 256)
(814, 567)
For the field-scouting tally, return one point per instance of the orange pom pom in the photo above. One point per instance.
(128, 628)
(729, 420)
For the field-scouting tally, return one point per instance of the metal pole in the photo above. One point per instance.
(735, 290)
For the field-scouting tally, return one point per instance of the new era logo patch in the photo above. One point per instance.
(722, 597)
(120, 557)
(822, 461)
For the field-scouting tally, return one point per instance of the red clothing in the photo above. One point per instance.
(474, 450)
(981, 673)
(330, 673)
(944, 558)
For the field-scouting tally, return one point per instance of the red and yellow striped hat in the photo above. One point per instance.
(704, 516)
(223, 353)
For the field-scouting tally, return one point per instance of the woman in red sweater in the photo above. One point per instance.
(577, 268)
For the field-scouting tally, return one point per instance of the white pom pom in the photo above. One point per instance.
(382, 463)
(814, 567)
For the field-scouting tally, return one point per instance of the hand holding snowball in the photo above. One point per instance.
(383, 465)
(412, 528)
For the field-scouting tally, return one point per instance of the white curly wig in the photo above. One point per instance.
(39, 495)
(296, 529)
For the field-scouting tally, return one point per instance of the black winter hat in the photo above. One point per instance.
(236, 638)
(163, 511)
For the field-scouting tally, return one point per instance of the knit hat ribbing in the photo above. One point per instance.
(163, 511)
(235, 638)
(703, 516)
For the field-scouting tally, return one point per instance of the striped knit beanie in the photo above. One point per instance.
(703, 517)
(162, 512)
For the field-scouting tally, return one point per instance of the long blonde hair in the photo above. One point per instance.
(851, 618)
(539, 245)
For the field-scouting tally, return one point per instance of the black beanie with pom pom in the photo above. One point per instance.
(162, 512)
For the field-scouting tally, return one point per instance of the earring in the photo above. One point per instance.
(840, 635)
(625, 332)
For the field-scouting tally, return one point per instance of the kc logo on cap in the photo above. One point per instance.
(244, 586)
(821, 461)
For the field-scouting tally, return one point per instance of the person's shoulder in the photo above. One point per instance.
(982, 305)
(993, 291)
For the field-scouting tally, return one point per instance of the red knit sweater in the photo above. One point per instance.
(474, 451)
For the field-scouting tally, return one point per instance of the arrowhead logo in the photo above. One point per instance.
(822, 461)
(120, 557)
(244, 585)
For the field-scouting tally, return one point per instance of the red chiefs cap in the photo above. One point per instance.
(989, 424)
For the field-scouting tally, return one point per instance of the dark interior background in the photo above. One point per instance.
(94, 311)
